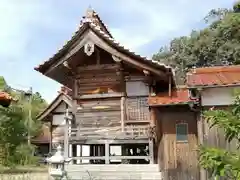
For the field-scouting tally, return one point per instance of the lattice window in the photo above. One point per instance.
(137, 109)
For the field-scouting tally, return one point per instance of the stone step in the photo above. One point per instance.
(98, 175)
(114, 167)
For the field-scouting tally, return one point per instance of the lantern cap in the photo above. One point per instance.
(57, 158)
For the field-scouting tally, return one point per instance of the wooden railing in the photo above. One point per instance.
(110, 157)
(130, 132)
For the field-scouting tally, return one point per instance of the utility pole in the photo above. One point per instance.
(30, 95)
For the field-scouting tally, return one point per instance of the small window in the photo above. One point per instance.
(182, 132)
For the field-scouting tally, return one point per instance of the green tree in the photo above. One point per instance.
(217, 44)
(14, 125)
(221, 162)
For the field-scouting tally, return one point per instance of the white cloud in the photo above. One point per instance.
(161, 19)
(128, 40)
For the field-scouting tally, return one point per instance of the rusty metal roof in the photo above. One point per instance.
(214, 76)
(178, 96)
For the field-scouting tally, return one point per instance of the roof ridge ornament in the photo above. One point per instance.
(89, 12)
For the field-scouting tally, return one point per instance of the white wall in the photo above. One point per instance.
(218, 96)
(58, 119)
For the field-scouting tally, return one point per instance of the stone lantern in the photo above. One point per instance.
(56, 164)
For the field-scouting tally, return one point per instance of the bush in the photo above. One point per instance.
(24, 155)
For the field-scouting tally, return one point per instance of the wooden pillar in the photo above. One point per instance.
(123, 98)
(152, 116)
(151, 151)
(75, 95)
(122, 112)
(200, 123)
(66, 132)
(170, 86)
(107, 148)
(51, 136)
(153, 123)
(200, 127)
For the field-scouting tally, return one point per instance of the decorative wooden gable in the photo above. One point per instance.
(92, 35)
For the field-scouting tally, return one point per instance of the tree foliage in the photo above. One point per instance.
(14, 125)
(220, 162)
(217, 44)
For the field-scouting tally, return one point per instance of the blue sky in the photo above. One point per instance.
(33, 30)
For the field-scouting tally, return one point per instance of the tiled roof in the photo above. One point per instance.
(62, 96)
(44, 137)
(66, 91)
(214, 76)
(178, 96)
(90, 22)
(5, 96)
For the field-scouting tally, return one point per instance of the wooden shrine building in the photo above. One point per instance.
(121, 108)
(110, 89)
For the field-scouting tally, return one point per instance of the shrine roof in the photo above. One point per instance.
(44, 137)
(63, 96)
(93, 21)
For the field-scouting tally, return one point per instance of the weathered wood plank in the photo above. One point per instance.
(66, 136)
(98, 96)
(130, 132)
(111, 141)
(98, 67)
(122, 112)
(94, 78)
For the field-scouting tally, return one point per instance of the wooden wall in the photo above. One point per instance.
(107, 80)
(177, 160)
(97, 79)
(57, 135)
(92, 116)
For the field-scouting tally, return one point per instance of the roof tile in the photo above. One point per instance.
(5, 96)
(44, 136)
(178, 96)
(214, 76)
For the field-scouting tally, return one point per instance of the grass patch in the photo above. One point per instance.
(23, 169)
